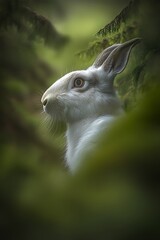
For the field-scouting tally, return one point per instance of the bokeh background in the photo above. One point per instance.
(115, 194)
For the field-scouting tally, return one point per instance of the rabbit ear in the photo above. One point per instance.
(104, 55)
(118, 58)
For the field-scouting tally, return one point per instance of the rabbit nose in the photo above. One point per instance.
(45, 102)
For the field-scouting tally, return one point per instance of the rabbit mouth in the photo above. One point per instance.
(54, 108)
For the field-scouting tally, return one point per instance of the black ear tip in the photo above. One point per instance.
(134, 41)
(131, 43)
(137, 40)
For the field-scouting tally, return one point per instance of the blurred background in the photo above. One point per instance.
(115, 195)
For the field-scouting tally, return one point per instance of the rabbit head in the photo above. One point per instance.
(88, 93)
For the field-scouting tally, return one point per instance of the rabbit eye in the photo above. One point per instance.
(78, 82)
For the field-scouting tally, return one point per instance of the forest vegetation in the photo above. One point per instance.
(115, 195)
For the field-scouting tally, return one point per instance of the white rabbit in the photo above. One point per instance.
(87, 102)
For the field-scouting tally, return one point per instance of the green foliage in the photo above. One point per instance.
(122, 17)
(23, 75)
(132, 22)
(115, 193)
(121, 28)
(17, 13)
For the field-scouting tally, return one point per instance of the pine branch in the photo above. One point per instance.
(104, 37)
(43, 27)
(15, 13)
(122, 17)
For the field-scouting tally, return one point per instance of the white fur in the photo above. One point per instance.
(82, 138)
(88, 111)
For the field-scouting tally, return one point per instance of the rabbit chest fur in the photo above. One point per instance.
(87, 102)
(82, 138)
